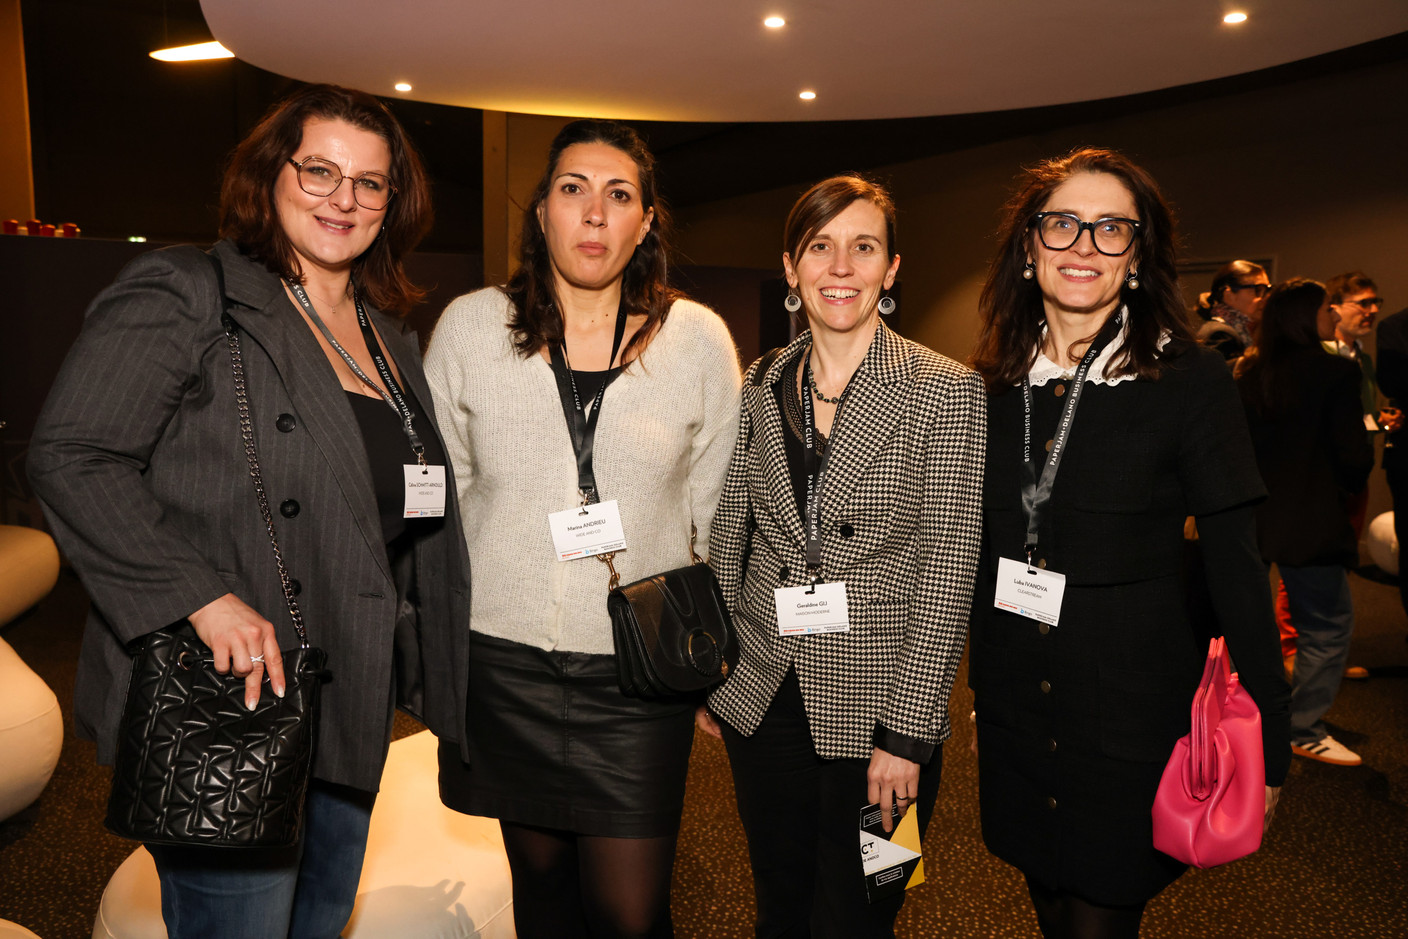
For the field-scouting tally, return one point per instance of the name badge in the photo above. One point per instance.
(812, 608)
(587, 530)
(425, 491)
(1029, 592)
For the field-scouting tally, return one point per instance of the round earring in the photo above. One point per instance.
(1028, 271)
(887, 305)
(1131, 280)
(793, 303)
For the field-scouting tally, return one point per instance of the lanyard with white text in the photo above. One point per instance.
(814, 466)
(1036, 496)
(581, 425)
(392, 394)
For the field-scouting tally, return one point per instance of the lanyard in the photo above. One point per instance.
(580, 424)
(395, 398)
(814, 466)
(1036, 496)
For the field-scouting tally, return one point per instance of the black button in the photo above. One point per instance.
(1046, 687)
(1051, 745)
(1051, 802)
(285, 423)
(1044, 628)
(783, 574)
(297, 586)
(288, 508)
(847, 531)
(1059, 390)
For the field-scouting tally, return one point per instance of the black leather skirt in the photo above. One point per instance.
(553, 743)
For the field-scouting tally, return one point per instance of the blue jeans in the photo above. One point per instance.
(306, 891)
(1323, 615)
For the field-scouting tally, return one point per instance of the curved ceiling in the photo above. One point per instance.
(681, 60)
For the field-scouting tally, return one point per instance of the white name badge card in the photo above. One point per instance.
(425, 491)
(587, 530)
(1028, 591)
(814, 608)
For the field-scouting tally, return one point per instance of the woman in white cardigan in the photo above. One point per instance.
(584, 391)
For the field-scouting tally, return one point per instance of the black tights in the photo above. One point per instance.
(1063, 915)
(567, 886)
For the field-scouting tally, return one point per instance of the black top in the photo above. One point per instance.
(589, 383)
(387, 452)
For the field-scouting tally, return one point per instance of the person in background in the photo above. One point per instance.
(1108, 425)
(1392, 372)
(1234, 308)
(855, 486)
(587, 784)
(1303, 407)
(139, 461)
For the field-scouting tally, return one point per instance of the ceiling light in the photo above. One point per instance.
(201, 50)
(1232, 19)
(807, 95)
(403, 86)
(774, 22)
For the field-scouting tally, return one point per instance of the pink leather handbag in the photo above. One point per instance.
(1212, 797)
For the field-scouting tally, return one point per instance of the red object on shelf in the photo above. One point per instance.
(46, 231)
(71, 230)
(31, 227)
(11, 226)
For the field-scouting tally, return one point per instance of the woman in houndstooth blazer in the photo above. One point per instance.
(822, 717)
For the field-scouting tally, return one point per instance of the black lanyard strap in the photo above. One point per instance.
(392, 393)
(580, 424)
(1036, 495)
(814, 465)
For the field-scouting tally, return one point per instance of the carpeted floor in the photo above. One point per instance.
(1334, 865)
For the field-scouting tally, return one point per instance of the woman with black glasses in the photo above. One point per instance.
(1107, 426)
(1234, 306)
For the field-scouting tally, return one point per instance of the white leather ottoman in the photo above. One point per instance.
(31, 733)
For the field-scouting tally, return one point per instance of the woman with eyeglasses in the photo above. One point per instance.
(1234, 308)
(1107, 426)
(140, 465)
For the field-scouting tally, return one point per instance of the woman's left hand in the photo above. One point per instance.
(892, 780)
(1273, 793)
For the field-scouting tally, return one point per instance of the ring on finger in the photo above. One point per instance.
(257, 658)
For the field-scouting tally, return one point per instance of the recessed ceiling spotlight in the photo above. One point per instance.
(807, 95)
(1232, 19)
(403, 86)
(774, 22)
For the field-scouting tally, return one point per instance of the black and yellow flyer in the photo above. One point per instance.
(892, 862)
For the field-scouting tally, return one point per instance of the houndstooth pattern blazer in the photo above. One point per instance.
(901, 518)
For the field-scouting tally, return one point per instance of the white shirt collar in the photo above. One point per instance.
(1044, 370)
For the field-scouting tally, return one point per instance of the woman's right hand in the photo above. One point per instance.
(705, 722)
(236, 635)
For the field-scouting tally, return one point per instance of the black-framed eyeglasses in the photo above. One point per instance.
(1258, 290)
(1112, 236)
(1365, 302)
(319, 177)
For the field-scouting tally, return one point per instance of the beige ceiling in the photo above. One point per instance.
(712, 60)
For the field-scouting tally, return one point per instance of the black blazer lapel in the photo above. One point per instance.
(768, 433)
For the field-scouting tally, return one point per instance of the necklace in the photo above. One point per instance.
(821, 397)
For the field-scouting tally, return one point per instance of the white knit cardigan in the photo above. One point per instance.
(662, 447)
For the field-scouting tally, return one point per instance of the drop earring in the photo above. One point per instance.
(887, 305)
(1028, 271)
(1131, 280)
(793, 303)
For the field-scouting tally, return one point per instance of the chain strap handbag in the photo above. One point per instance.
(194, 765)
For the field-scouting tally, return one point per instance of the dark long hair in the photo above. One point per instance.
(1232, 274)
(536, 322)
(249, 218)
(1289, 325)
(1011, 307)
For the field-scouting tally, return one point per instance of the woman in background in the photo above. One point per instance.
(1234, 308)
(587, 784)
(1079, 701)
(1303, 406)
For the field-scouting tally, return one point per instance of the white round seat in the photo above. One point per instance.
(1383, 543)
(430, 872)
(31, 733)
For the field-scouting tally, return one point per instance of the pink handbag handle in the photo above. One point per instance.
(1206, 715)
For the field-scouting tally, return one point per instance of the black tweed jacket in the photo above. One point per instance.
(900, 518)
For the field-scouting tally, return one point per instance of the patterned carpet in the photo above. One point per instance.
(1334, 865)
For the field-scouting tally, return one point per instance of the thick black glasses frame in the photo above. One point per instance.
(298, 174)
(1081, 227)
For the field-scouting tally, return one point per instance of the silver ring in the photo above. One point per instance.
(257, 658)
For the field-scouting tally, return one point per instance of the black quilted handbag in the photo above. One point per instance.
(194, 765)
(674, 636)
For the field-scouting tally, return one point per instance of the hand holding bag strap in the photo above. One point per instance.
(232, 337)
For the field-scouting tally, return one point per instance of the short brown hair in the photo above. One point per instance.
(816, 207)
(1343, 284)
(249, 218)
(1231, 275)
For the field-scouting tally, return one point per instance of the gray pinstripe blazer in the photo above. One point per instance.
(138, 461)
(901, 517)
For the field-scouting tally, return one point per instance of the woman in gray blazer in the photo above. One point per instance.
(139, 462)
(846, 544)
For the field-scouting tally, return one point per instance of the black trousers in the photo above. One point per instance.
(1396, 472)
(802, 817)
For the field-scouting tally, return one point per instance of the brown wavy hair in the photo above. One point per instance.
(248, 216)
(536, 322)
(816, 207)
(1289, 326)
(1011, 307)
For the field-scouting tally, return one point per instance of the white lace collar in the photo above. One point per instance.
(1044, 370)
